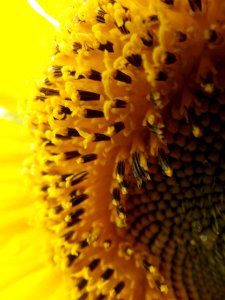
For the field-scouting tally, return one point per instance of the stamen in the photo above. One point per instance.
(93, 264)
(83, 282)
(135, 60)
(101, 297)
(120, 170)
(107, 274)
(120, 76)
(84, 244)
(148, 42)
(78, 199)
(163, 160)
(180, 36)
(83, 296)
(92, 113)
(37, 7)
(119, 104)
(108, 46)
(49, 92)
(118, 288)
(195, 3)
(88, 96)
(98, 137)
(95, 75)
(100, 15)
(116, 196)
(169, 2)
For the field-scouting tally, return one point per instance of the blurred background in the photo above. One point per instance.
(26, 38)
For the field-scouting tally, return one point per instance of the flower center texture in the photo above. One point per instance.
(128, 153)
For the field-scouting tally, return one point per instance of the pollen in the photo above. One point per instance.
(127, 122)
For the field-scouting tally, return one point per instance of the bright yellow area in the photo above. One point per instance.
(26, 272)
(26, 45)
(54, 7)
(27, 41)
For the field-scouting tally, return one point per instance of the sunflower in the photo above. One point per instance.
(127, 159)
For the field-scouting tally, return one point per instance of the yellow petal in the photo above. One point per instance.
(24, 48)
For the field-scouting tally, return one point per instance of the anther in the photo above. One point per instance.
(100, 15)
(76, 47)
(164, 162)
(101, 297)
(120, 76)
(78, 178)
(82, 283)
(169, 2)
(116, 196)
(91, 113)
(155, 127)
(88, 158)
(95, 75)
(44, 188)
(46, 81)
(78, 199)
(83, 296)
(135, 60)
(71, 154)
(121, 212)
(99, 137)
(65, 110)
(116, 128)
(119, 287)
(108, 46)
(117, 103)
(67, 236)
(148, 42)
(138, 170)
(120, 171)
(196, 130)
(123, 28)
(71, 221)
(169, 58)
(58, 209)
(162, 287)
(88, 96)
(154, 18)
(210, 35)
(84, 243)
(72, 132)
(94, 264)
(49, 92)
(74, 217)
(180, 36)
(41, 98)
(71, 259)
(149, 267)
(128, 251)
(56, 71)
(123, 187)
(107, 274)
(161, 76)
(194, 3)
(107, 244)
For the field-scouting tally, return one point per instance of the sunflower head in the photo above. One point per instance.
(127, 121)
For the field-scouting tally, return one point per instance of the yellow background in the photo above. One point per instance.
(25, 45)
